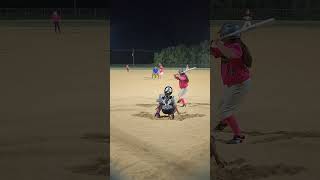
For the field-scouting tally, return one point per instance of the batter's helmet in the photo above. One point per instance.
(229, 28)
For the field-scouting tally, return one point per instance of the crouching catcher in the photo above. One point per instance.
(166, 104)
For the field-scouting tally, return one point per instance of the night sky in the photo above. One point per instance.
(153, 25)
(158, 24)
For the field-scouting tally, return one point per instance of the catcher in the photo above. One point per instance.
(166, 104)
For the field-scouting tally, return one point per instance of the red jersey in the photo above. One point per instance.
(55, 18)
(161, 68)
(233, 71)
(183, 81)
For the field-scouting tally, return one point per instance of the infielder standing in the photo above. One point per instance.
(155, 72)
(161, 70)
(235, 63)
(247, 18)
(56, 19)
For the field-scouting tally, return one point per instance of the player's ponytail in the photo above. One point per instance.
(246, 55)
(187, 79)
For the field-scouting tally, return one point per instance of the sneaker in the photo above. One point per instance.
(157, 115)
(221, 126)
(242, 137)
(236, 140)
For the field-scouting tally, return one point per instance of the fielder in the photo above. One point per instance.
(247, 19)
(56, 19)
(155, 73)
(167, 103)
(183, 84)
(161, 70)
(235, 63)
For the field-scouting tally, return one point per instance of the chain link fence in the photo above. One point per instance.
(263, 13)
(45, 13)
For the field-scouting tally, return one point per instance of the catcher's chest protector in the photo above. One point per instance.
(167, 102)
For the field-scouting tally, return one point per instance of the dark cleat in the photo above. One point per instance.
(236, 140)
(157, 115)
(221, 126)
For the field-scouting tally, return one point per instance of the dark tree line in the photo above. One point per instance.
(195, 55)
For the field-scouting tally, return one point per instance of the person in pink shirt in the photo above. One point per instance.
(247, 18)
(56, 19)
(161, 71)
(235, 63)
(183, 84)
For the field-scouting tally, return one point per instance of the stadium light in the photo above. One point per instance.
(132, 56)
(75, 7)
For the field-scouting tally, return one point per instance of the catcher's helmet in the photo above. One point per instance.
(229, 28)
(168, 90)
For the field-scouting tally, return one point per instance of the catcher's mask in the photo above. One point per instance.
(168, 90)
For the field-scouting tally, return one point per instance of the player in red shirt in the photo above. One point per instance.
(161, 70)
(56, 19)
(247, 18)
(183, 84)
(235, 63)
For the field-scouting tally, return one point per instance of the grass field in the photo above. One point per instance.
(280, 114)
(53, 88)
(145, 148)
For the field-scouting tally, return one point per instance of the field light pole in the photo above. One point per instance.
(75, 7)
(132, 56)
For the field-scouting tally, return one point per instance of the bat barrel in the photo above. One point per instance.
(189, 69)
(249, 27)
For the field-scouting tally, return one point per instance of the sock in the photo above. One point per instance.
(183, 101)
(158, 110)
(233, 124)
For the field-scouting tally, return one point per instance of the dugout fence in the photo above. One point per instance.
(44, 13)
(263, 13)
